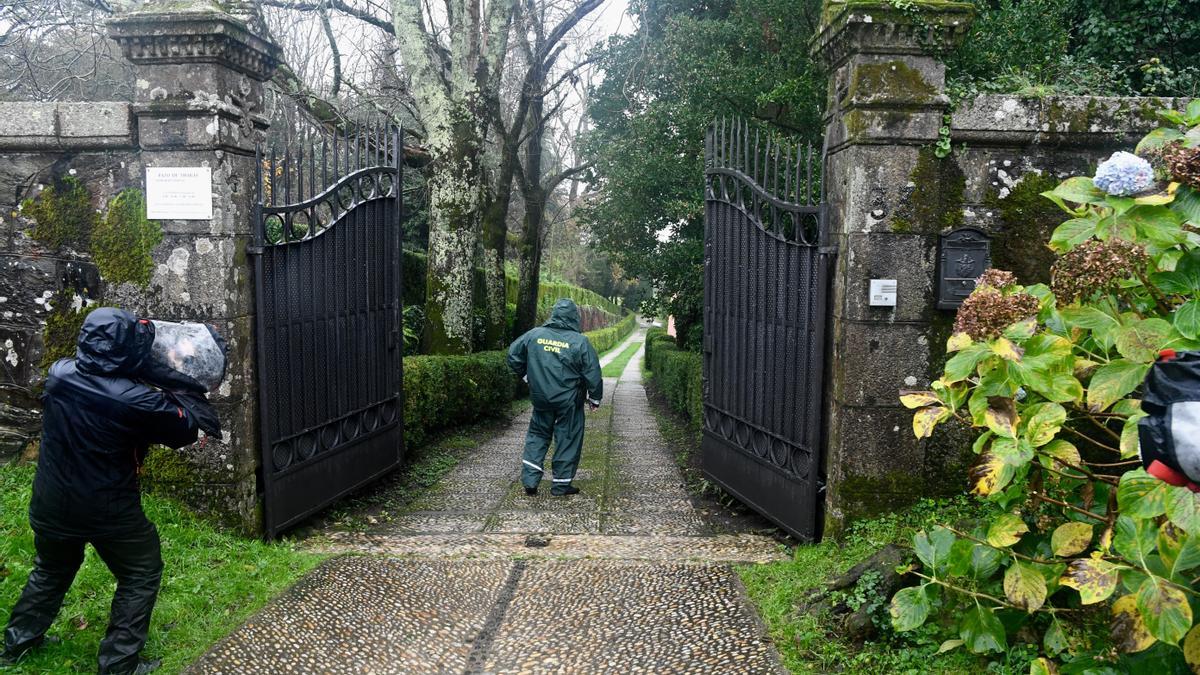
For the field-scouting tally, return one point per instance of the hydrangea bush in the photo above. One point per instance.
(1083, 553)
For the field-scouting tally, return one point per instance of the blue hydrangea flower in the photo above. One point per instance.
(1124, 174)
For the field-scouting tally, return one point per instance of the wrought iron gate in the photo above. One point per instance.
(767, 266)
(329, 346)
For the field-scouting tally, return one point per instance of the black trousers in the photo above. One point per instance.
(135, 559)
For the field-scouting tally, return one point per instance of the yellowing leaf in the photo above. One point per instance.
(1165, 610)
(1042, 666)
(949, 645)
(1191, 649)
(1094, 578)
(1129, 632)
(1024, 586)
(1001, 416)
(917, 399)
(1005, 349)
(958, 341)
(1157, 199)
(1045, 421)
(1060, 450)
(990, 474)
(925, 419)
(1006, 530)
(1071, 539)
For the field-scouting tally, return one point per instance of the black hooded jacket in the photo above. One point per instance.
(559, 362)
(96, 427)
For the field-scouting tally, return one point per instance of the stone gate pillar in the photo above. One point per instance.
(889, 197)
(198, 99)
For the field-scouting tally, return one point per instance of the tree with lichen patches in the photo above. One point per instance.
(450, 87)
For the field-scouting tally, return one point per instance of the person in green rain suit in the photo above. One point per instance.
(563, 373)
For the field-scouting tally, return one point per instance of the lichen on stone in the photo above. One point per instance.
(62, 214)
(890, 81)
(62, 327)
(1027, 219)
(124, 239)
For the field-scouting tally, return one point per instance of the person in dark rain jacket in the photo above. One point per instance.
(563, 372)
(98, 423)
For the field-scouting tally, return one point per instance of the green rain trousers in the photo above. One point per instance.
(562, 369)
(566, 425)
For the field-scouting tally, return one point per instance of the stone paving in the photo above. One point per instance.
(624, 577)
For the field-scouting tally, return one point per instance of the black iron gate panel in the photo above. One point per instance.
(329, 347)
(767, 266)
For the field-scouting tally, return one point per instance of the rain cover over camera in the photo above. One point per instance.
(1169, 435)
(189, 356)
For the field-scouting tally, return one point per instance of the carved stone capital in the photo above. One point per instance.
(181, 38)
(877, 27)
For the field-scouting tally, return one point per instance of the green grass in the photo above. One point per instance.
(809, 644)
(617, 365)
(212, 582)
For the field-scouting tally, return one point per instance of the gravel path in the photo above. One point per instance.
(479, 578)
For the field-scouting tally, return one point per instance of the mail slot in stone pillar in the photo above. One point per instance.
(963, 256)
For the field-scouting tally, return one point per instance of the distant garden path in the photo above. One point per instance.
(477, 577)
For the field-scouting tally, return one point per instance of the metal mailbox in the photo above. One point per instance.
(963, 256)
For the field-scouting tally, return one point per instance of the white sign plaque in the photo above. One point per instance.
(179, 193)
(883, 292)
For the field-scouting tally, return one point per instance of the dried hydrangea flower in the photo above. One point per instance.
(989, 310)
(1124, 174)
(1183, 164)
(1095, 266)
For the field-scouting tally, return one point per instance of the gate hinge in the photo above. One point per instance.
(827, 250)
(254, 250)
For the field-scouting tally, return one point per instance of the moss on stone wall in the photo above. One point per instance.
(890, 81)
(62, 327)
(62, 214)
(936, 202)
(164, 468)
(124, 239)
(1027, 219)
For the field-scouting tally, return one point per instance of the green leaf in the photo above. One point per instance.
(1045, 420)
(1114, 381)
(1073, 233)
(1094, 578)
(1141, 495)
(962, 365)
(1006, 530)
(909, 608)
(1187, 319)
(1165, 609)
(1142, 341)
(1080, 190)
(1090, 318)
(1024, 586)
(1183, 509)
(1187, 204)
(1018, 453)
(1129, 435)
(1060, 449)
(1158, 224)
(960, 558)
(933, 549)
(981, 631)
(949, 645)
(1135, 538)
(1071, 539)
(1187, 558)
(981, 442)
(985, 560)
(1021, 330)
(1058, 386)
(1055, 640)
(1158, 138)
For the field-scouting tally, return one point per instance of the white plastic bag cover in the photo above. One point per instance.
(191, 350)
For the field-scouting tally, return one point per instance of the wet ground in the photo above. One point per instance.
(476, 577)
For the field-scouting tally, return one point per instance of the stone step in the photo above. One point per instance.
(728, 548)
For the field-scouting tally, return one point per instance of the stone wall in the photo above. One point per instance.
(197, 104)
(890, 197)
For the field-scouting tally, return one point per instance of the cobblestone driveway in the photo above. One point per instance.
(479, 578)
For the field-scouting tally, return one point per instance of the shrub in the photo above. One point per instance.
(605, 339)
(1050, 376)
(678, 374)
(446, 391)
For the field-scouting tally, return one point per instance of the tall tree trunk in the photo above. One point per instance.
(495, 241)
(530, 249)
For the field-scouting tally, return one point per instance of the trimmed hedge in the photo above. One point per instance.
(447, 391)
(605, 339)
(678, 374)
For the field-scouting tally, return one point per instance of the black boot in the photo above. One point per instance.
(531, 491)
(565, 492)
